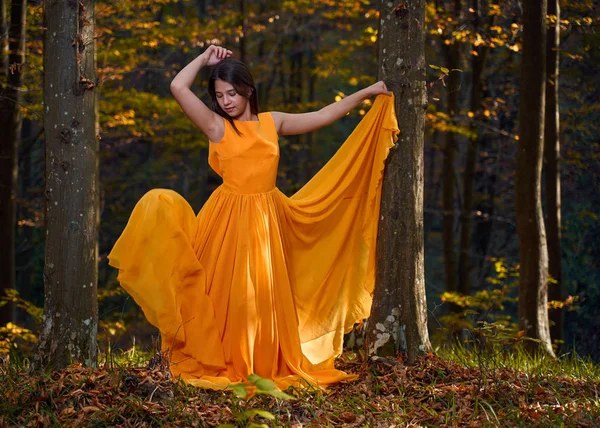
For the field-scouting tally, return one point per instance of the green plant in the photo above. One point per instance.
(13, 295)
(246, 391)
(15, 340)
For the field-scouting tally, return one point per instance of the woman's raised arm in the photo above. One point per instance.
(203, 117)
(300, 123)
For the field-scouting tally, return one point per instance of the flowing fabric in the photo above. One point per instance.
(258, 282)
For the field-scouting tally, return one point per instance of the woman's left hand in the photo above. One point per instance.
(379, 88)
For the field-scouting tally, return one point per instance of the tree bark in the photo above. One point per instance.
(399, 304)
(10, 123)
(533, 253)
(552, 171)
(69, 325)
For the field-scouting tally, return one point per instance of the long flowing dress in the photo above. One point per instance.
(258, 282)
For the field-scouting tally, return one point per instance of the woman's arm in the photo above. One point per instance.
(204, 118)
(293, 124)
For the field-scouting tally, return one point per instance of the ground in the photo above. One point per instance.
(433, 392)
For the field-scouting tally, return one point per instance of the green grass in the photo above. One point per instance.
(517, 359)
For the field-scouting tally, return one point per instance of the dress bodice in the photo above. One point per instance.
(247, 162)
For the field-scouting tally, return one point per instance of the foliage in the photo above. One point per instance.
(15, 339)
(255, 386)
(485, 319)
(18, 341)
(483, 313)
(29, 308)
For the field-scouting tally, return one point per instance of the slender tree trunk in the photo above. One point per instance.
(70, 319)
(466, 219)
(399, 303)
(449, 182)
(10, 123)
(552, 172)
(533, 253)
(25, 250)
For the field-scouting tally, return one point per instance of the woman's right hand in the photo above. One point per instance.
(215, 54)
(378, 88)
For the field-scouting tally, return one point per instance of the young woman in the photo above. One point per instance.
(258, 282)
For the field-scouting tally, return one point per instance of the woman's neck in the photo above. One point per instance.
(247, 115)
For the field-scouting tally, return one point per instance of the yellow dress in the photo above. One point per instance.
(258, 282)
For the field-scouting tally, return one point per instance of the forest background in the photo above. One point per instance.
(304, 55)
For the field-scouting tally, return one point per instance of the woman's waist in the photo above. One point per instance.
(248, 189)
(249, 181)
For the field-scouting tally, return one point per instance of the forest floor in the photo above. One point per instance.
(435, 391)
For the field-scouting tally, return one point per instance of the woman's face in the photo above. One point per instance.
(229, 100)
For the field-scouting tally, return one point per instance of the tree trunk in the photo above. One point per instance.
(453, 62)
(10, 123)
(24, 234)
(533, 253)
(70, 319)
(399, 305)
(552, 172)
(466, 219)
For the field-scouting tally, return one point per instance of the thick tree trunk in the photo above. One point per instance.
(10, 123)
(552, 171)
(70, 273)
(533, 253)
(399, 313)
(453, 85)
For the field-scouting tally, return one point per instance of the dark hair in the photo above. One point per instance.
(237, 74)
